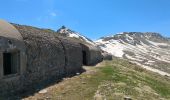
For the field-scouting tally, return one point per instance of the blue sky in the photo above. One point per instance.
(92, 18)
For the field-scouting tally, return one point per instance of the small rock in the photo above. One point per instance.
(47, 97)
(127, 98)
(43, 91)
(98, 97)
(65, 79)
(63, 92)
(162, 99)
(83, 82)
(78, 73)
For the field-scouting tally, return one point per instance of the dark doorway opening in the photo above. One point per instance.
(11, 63)
(7, 63)
(84, 58)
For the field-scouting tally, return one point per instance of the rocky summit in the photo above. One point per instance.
(66, 32)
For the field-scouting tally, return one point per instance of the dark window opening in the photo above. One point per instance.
(84, 58)
(11, 63)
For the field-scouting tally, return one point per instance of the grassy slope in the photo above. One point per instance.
(111, 80)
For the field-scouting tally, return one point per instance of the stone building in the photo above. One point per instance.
(91, 54)
(30, 56)
(107, 56)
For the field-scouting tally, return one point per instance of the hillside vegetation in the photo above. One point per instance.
(110, 80)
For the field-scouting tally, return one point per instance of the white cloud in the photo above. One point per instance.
(47, 16)
(53, 14)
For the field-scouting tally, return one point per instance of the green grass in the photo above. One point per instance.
(159, 86)
(122, 71)
(113, 80)
(132, 75)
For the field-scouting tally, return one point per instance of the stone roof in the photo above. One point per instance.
(9, 31)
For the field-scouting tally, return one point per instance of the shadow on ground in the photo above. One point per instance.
(31, 91)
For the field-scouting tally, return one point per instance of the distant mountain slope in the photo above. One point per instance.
(66, 32)
(149, 50)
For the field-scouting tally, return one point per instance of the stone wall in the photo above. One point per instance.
(93, 54)
(44, 57)
(73, 55)
(11, 82)
(45, 54)
(95, 57)
(11, 42)
(107, 56)
(49, 57)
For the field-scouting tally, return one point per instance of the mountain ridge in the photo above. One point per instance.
(150, 50)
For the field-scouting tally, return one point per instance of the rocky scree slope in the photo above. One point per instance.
(149, 50)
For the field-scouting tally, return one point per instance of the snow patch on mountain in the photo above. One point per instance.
(74, 35)
(69, 33)
(158, 44)
(112, 47)
(148, 49)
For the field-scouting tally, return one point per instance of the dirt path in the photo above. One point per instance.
(58, 90)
